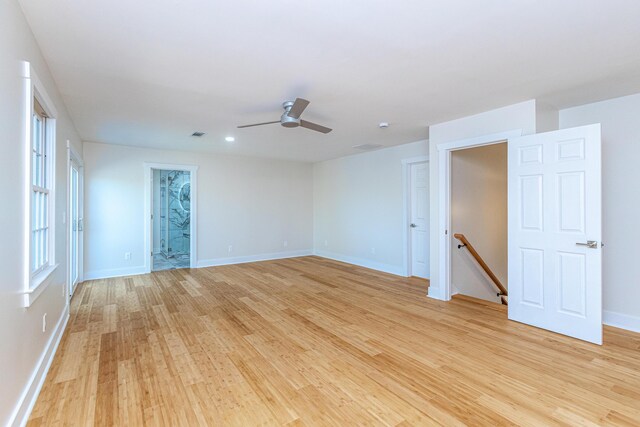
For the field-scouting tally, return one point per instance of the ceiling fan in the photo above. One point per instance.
(291, 117)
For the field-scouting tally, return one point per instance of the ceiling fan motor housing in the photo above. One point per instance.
(286, 120)
(289, 122)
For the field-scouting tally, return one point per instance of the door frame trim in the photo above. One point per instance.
(148, 236)
(443, 290)
(406, 210)
(74, 156)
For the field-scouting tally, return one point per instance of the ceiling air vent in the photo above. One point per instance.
(367, 147)
(197, 133)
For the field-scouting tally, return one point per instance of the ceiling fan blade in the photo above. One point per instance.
(298, 107)
(314, 126)
(258, 124)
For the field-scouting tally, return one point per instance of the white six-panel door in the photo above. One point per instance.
(419, 220)
(555, 279)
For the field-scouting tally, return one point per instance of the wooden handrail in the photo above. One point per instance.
(485, 267)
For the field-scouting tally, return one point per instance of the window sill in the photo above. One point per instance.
(39, 284)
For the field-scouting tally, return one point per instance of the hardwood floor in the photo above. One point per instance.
(308, 341)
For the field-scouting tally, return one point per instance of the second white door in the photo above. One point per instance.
(555, 215)
(419, 219)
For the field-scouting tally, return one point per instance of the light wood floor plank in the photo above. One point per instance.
(313, 342)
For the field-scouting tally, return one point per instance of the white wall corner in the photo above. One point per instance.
(30, 394)
(547, 117)
(620, 320)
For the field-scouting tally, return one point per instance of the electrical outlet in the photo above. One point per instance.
(326, 243)
(285, 244)
(44, 322)
(373, 251)
(230, 248)
(127, 255)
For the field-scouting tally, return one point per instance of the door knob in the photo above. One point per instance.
(413, 225)
(591, 244)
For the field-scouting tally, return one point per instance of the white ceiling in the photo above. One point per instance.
(150, 72)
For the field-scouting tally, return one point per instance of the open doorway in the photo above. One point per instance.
(554, 228)
(479, 222)
(171, 219)
(170, 216)
(76, 213)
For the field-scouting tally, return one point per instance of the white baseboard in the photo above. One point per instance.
(252, 258)
(114, 272)
(362, 262)
(30, 394)
(622, 321)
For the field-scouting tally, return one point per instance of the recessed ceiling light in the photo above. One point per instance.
(383, 125)
(229, 139)
(197, 133)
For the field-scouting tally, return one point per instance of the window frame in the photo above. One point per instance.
(39, 189)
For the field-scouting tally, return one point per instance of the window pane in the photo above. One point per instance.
(34, 157)
(41, 243)
(45, 246)
(34, 196)
(35, 132)
(33, 251)
(36, 250)
(36, 169)
(45, 165)
(45, 210)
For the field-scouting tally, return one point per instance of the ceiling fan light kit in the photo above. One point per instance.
(291, 117)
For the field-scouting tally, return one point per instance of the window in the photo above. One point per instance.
(40, 190)
(39, 186)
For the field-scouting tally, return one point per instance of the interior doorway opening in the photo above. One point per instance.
(171, 219)
(76, 221)
(479, 222)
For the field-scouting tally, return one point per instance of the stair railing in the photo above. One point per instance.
(465, 244)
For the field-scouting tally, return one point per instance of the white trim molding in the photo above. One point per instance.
(252, 258)
(40, 283)
(148, 236)
(620, 320)
(443, 290)
(362, 262)
(30, 394)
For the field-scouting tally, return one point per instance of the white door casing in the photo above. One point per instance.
(555, 208)
(419, 219)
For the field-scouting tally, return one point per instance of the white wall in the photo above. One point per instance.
(620, 119)
(518, 116)
(23, 342)
(479, 211)
(358, 205)
(250, 203)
